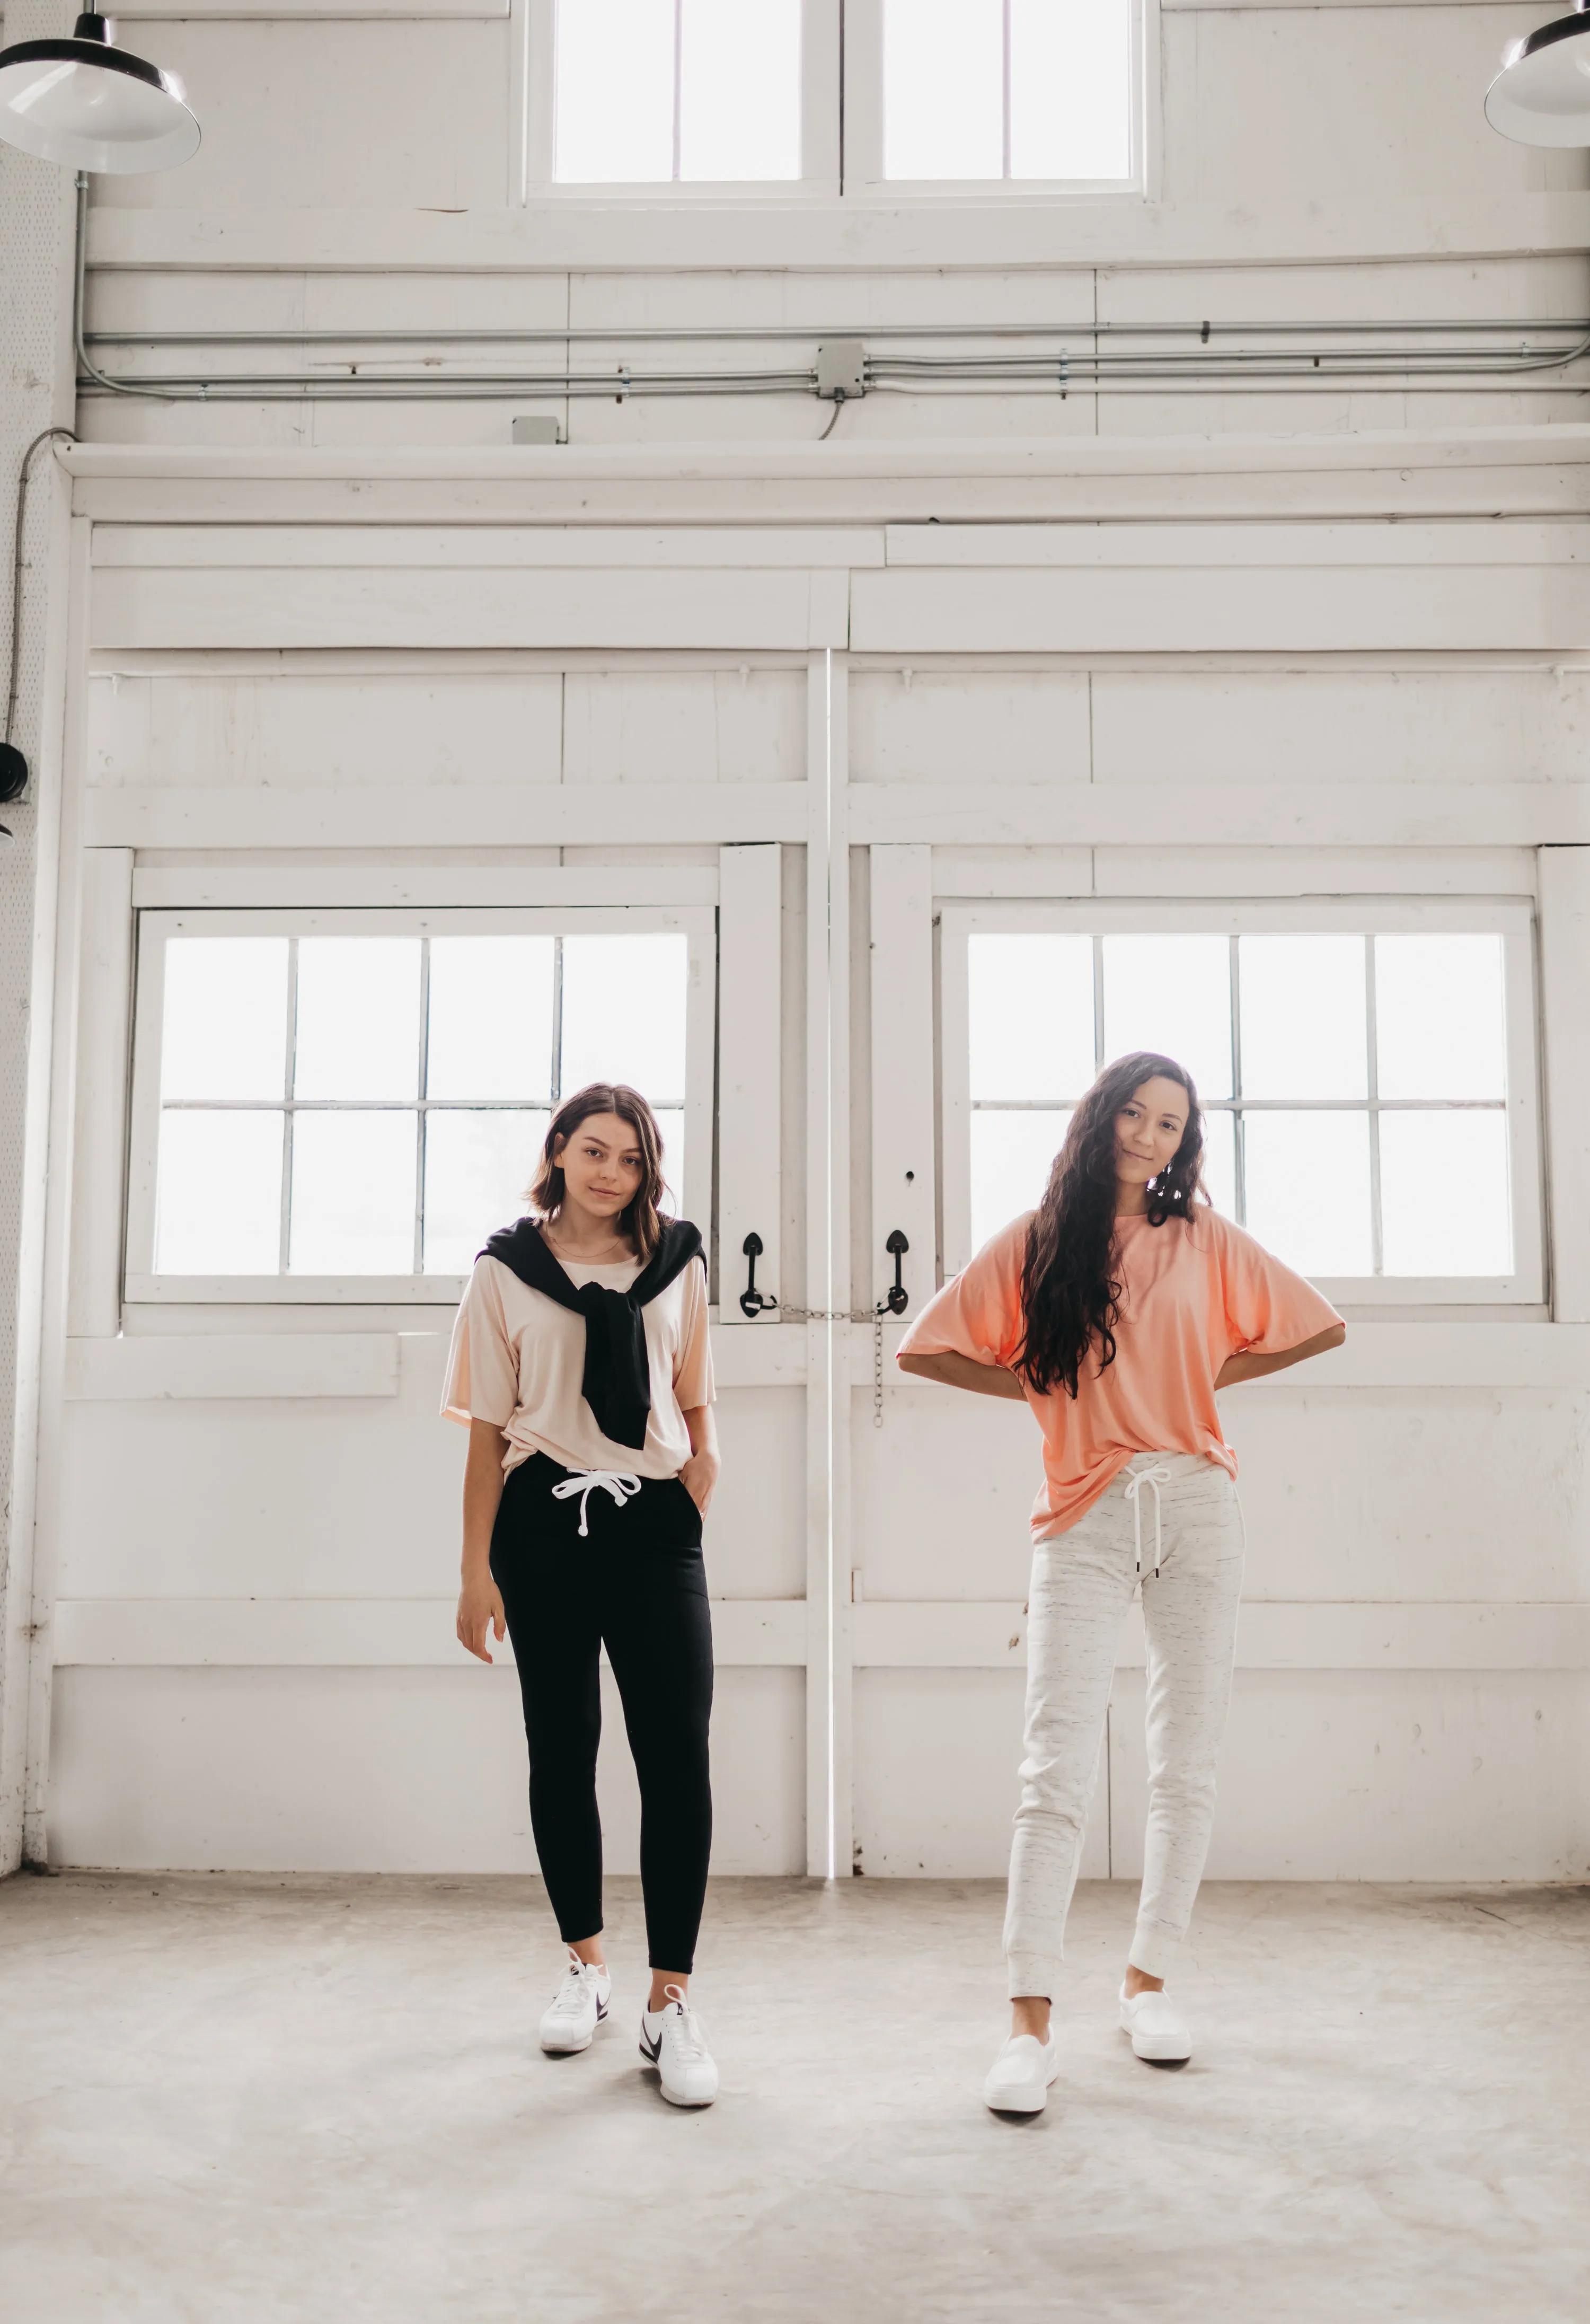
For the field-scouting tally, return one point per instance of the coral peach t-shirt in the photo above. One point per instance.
(1194, 1291)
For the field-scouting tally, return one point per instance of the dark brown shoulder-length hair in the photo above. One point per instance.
(639, 1219)
(1070, 1296)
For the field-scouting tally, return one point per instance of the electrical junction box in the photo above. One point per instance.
(842, 365)
(536, 428)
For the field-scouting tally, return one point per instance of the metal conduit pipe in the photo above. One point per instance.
(1083, 368)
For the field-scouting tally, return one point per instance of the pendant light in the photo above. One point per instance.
(1541, 96)
(84, 102)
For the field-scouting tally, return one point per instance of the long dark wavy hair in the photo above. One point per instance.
(639, 1219)
(1070, 1295)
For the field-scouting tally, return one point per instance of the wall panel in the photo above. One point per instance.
(1382, 1775)
(293, 727)
(377, 1771)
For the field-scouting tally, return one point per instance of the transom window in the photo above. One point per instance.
(840, 96)
(1008, 88)
(1365, 1075)
(650, 91)
(329, 1102)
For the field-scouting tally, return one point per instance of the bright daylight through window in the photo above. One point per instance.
(373, 1105)
(1355, 1085)
(655, 91)
(1008, 88)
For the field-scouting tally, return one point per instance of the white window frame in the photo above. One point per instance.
(821, 112)
(696, 923)
(864, 126)
(1513, 921)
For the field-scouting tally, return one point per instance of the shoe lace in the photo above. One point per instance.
(689, 2045)
(570, 1997)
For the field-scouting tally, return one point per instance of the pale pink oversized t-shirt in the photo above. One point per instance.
(1194, 1291)
(517, 1360)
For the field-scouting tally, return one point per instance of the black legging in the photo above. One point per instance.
(636, 1584)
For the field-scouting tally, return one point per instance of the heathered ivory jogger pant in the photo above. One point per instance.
(1083, 1581)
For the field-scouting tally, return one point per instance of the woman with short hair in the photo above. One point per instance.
(581, 1365)
(1117, 1310)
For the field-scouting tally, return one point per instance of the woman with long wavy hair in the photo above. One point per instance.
(1117, 1310)
(581, 1367)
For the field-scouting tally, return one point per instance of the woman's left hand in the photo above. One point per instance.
(699, 1476)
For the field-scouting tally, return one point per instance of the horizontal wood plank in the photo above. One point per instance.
(332, 606)
(348, 1632)
(258, 1364)
(485, 814)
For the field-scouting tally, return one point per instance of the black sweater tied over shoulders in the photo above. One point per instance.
(617, 1382)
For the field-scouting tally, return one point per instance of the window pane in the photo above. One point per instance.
(1172, 994)
(1070, 88)
(1440, 1023)
(943, 88)
(1443, 1193)
(623, 1013)
(218, 1195)
(477, 1166)
(225, 1017)
(358, 1026)
(670, 1120)
(1308, 1189)
(352, 1193)
(1303, 1027)
(1030, 1010)
(1011, 1154)
(1219, 1162)
(740, 97)
(491, 1017)
(614, 79)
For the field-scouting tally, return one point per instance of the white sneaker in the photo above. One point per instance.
(1157, 2033)
(671, 2041)
(1018, 2080)
(578, 2008)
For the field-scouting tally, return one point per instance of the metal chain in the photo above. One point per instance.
(873, 1315)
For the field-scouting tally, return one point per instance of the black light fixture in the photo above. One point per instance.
(1541, 96)
(84, 102)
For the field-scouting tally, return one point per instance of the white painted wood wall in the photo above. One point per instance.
(1233, 646)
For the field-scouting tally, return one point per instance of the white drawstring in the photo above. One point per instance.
(622, 1483)
(1155, 1477)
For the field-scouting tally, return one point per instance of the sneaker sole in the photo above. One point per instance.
(1151, 2057)
(1028, 2102)
(573, 2049)
(673, 2100)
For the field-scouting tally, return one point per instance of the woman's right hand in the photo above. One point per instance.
(480, 1610)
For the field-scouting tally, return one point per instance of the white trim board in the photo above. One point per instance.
(321, 12)
(1271, 1635)
(485, 546)
(484, 815)
(348, 1632)
(887, 1635)
(428, 886)
(1223, 815)
(1562, 447)
(469, 607)
(939, 814)
(331, 1362)
(968, 874)
(261, 1364)
(1008, 231)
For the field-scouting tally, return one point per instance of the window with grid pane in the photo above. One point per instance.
(1354, 1084)
(373, 1105)
(659, 91)
(1038, 89)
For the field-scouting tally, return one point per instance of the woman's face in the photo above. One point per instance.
(1148, 1129)
(601, 1164)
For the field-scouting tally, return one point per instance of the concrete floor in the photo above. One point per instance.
(232, 2098)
